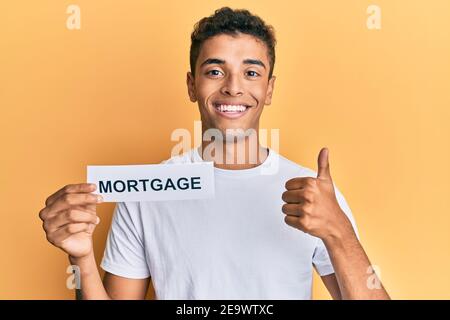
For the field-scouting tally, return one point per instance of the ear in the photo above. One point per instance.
(270, 88)
(190, 81)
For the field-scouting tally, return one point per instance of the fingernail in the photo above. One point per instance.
(99, 199)
(92, 186)
(98, 220)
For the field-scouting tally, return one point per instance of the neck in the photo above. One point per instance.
(236, 154)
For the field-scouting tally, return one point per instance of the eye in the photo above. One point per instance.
(252, 74)
(214, 72)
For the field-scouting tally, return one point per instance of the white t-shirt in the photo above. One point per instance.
(234, 246)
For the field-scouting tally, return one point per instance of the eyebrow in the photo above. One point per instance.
(255, 61)
(220, 61)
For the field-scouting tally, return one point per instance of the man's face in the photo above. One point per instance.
(231, 83)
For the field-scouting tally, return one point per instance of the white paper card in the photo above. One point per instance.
(153, 182)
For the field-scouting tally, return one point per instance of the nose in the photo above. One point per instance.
(232, 86)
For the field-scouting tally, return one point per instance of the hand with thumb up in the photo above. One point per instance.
(311, 204)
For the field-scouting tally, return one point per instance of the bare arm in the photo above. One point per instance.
(111, 288)
(332, 286)
(120, 288)
(353, 269)
(91, 283)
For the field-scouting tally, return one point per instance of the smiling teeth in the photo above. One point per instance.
(231, 108)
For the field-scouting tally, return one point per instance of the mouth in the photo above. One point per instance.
(231, 110)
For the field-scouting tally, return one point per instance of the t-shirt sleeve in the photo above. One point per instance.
(124, 254)
(321, 259)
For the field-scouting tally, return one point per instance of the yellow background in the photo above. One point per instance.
(112, 93)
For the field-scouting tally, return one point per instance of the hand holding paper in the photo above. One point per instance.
(69, 218)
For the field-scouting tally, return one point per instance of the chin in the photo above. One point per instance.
(234, 129)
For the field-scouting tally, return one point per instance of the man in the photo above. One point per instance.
(261, 235)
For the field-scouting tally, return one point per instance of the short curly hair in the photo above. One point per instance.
(228, 21)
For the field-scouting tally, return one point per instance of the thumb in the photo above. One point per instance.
(324, 167)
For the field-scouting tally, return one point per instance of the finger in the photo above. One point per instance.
(43, 214)
(299, 183)
(298, 196)
(66, 231)
(46, 214)
(292, 196)
(70, 188)
(69, 216)
(295, 222)
(91, 228)
(90, 207)
(291, 209)
(73, 199)
(324, 167)
(291, 221)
